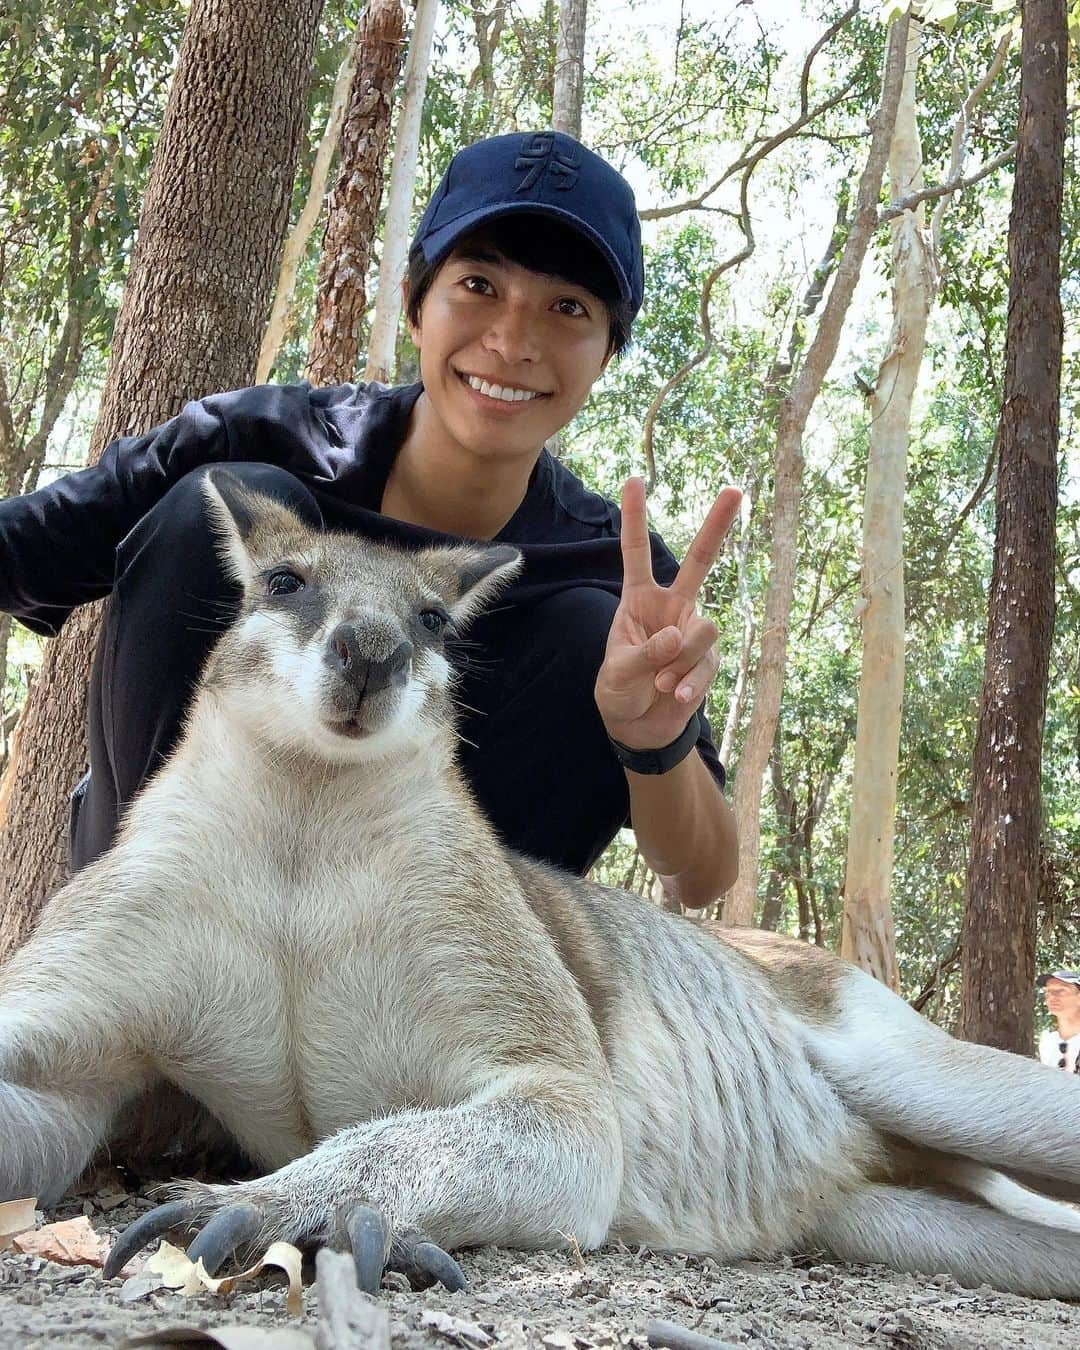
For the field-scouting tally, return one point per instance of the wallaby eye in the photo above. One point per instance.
(434, 620)
(283, 582)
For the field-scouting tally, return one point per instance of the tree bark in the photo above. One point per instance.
(998, 933)
(281, 318)
(190, 319)
(341, 296)
(396, 232)
(794, 410)
(868, 937)
(569, 67)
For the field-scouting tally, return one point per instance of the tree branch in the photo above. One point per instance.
(752, 157)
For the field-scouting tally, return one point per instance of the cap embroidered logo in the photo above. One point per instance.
(534, 157)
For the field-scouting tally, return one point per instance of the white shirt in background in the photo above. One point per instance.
(1050, 1044)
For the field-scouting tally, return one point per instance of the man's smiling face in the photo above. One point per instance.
(507, 355)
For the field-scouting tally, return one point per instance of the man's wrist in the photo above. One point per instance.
(662, 758)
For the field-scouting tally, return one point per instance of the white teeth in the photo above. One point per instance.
(506, 395)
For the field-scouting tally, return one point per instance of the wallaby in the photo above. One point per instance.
(431, 1043)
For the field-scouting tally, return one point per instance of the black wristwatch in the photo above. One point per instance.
(658, 761)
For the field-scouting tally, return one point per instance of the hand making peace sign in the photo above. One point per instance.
(660, 658)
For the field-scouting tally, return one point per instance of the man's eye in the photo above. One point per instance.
(284, 583)
(478, 285)
(571, 307)
(434, 620)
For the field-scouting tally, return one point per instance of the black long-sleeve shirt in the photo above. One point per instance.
(57, 544)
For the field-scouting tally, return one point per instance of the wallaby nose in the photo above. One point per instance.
(365, 675)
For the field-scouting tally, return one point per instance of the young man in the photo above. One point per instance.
(1061, 1048)
(582, 692)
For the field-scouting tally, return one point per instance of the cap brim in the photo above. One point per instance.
(1063, 976)
(439, 242)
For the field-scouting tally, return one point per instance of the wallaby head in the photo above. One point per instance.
(338, 650)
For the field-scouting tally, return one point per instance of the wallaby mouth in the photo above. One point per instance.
(352, 728)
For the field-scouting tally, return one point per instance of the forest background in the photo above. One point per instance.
(744, 129)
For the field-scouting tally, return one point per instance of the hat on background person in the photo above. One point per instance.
(1065, 976)
(546, 173)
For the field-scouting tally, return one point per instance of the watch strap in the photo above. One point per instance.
(663, 759)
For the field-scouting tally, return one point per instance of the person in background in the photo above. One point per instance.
(1061, 1048)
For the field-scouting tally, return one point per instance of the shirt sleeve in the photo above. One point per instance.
(58, 544)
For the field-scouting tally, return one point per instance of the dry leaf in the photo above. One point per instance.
(186, 1277)
(176, 1271)
(455, 1329)
(16, 1216)
(70, 1243)
(229, 1338)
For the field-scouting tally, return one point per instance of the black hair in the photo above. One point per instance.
(543, 245)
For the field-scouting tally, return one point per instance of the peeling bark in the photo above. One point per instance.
(341, 296)
(281, 315)
(396, 232)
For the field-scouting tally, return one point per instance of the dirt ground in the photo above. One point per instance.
(549, 1301)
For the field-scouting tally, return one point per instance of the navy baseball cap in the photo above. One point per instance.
(547, 173)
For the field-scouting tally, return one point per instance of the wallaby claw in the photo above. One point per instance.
(228, 1229)
(155, 1223)
(367, 1238)
(425, 1263)
(412, 1253)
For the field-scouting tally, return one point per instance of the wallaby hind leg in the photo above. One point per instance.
(910, 1079)
(933, 1234)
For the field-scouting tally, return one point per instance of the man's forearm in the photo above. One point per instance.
(685, 830)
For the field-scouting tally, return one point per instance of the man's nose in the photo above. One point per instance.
(512, 335)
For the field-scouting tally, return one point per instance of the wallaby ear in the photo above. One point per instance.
(470, 577)
(251, 528)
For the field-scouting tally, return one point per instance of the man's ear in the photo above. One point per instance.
(414, 328)
(249, 526)
(470, 577)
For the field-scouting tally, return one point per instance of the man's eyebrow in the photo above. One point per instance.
(477, 254)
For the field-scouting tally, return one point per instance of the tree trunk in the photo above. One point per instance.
(281, 315)
(190, 319)
(749, 628)
(569, 67)
(341, 297)
(867, 936)
(794, 409)
(396, 232)
(479, 105)
(998, 934)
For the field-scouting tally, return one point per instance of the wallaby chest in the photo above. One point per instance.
(331, 975)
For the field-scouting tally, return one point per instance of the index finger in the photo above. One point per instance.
(634, 535)
(708, 541)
